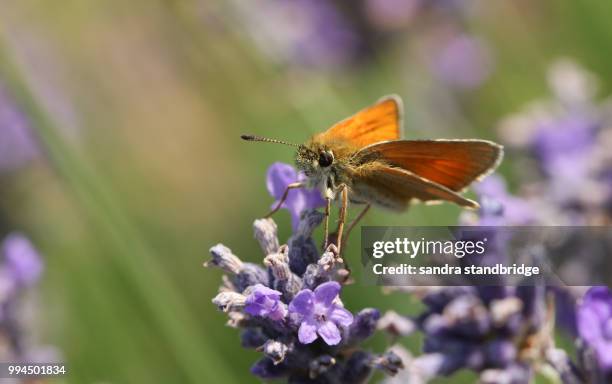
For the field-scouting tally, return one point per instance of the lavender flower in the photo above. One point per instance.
(265, 302)
(280, 175)
(22, 260)
(322, 37)
(563, 145)
(284, 309)
(594, 321)
(20, 268)
(565, 136)
(320, 314)
(481, 328)
(497, 206)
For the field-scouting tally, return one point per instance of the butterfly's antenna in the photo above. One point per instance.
(265, 140)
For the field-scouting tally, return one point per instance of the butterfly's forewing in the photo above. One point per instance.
(395, 188)
(379, 122)
(453, 164)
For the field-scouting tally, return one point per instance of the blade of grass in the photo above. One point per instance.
(129, 251)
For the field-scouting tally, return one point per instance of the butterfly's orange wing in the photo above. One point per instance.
(379, 122)
(395, 188)
(453, 164)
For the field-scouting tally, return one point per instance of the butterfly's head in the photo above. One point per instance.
(315, 160)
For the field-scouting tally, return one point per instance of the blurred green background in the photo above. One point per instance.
(136, 109)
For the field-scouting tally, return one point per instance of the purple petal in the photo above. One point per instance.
(493, 186)
(279, 176)
(330, 333)
(307, 332)
(302, 303)
(341, 316)
(295, 204)
(278, 312)
(255, 309)
(596, 308)
(604, 355)
(313, 198)
(326, 293)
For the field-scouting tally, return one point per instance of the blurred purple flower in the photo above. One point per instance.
(17, 146)
(464, 62)
(306, 33)
(265, 302)
(563, 145)
(319, 314)
(480, 328)
(498, 207)
(22, 260)
(594, 321)
(280, 175)
(329, 39)
(299, 287)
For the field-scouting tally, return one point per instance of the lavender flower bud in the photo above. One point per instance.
(266, 234)
(500, 353)
(437, 299)
(315, 276)
(302, 248)
(245, 274)
(309, 220)
(275, 350)
(435, 324)
(358, 368)
(266, 369)
(284, 281)
(223, 258)
(330, 258)
(395, 324)
(252, 338)
(468, 315)
(249, 275)
(228, 301)
(364, 325)
(389, 362)
(502, 310)
(320, 366)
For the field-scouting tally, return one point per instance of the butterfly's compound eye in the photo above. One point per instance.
(326, 158)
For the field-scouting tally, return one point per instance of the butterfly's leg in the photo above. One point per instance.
(342, 214)
(326, 223)
(284, 197)
(357, 219)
